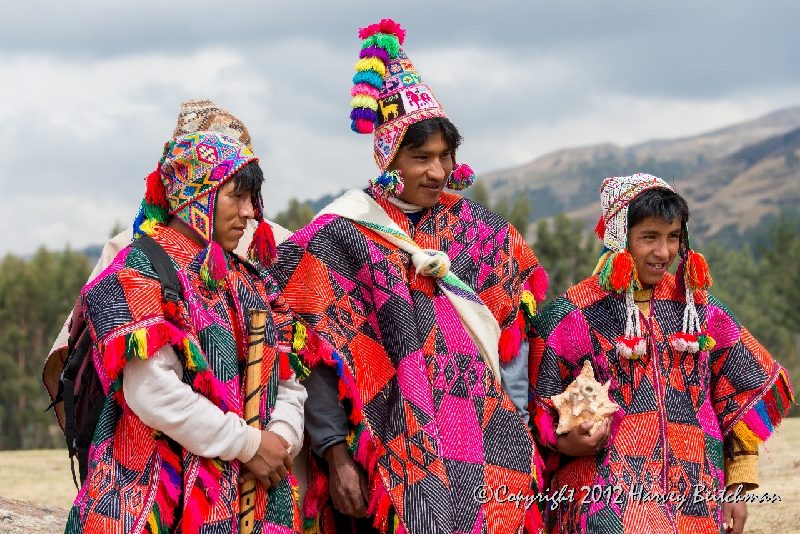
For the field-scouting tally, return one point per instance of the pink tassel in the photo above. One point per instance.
(539, 283)
(263, 249)
(214, 267)
(317, 492)
(545, 424)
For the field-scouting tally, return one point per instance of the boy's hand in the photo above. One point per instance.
(734, 514)
(578, 442)
(271, 463)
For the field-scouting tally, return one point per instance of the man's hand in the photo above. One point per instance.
(347, 481)
(734, 514)
(578, 442)
(271, 463)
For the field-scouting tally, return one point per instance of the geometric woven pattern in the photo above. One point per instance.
(440, 422)
(139, 480)
(676, 412)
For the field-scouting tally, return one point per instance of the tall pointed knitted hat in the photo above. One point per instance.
(617, 268)
(388, 96)
(185, 185)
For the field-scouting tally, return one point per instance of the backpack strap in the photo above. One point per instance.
(162, 263)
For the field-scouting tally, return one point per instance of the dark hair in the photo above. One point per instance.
(249, 178)
(658, 203)
(421, 131)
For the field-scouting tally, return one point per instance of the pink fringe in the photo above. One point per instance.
(209, 385)
(169, 490)
(545, 424)
(753, 421)
(317, 491)
(379, 504)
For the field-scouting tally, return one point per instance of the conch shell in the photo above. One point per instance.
(584, 400)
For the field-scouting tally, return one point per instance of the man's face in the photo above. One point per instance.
(233, 210)
(425, 170)
(654, 244)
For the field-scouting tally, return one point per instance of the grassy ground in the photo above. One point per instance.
(44, 477)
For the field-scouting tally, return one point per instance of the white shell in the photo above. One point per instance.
(584, 400)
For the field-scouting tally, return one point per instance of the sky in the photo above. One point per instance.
(90, 90)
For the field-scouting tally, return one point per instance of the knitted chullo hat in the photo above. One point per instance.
(388, 96)
(203, 114)
(185, 185)
(617, 268)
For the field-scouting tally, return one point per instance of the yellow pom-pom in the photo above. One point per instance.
(371, 63)
(364, 101)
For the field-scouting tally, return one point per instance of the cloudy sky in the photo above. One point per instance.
(90, 90)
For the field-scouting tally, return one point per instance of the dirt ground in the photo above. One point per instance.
(44, 477)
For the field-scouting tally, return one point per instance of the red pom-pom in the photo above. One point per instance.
(156, 194)
(623, 271)
(263, 249)
(600, 229)
(387, 26)
(695, 272)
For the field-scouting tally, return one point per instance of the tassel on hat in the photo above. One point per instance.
(386, 184)
(694, 275)
(154, 208)
(461, 177)
(381, 44)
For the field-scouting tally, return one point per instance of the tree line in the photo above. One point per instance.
(759, 282)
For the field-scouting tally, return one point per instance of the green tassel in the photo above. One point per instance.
(300, 370)
(390, 43)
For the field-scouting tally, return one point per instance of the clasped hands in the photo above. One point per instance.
(271, 463)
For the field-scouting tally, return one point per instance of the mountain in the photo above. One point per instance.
(732, 177)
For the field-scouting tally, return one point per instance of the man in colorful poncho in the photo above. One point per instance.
(405, 290)
(696, 392)
(170, 444)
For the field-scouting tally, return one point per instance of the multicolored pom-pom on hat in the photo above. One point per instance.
(185, 185)
(617, 268)
(388, 94)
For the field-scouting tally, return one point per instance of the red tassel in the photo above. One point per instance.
(156, 194)
(695, 272)
(623, 271)
(263, 249)
(511, 339)
(284, 369)
(600, 229)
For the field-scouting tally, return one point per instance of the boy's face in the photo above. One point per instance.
(654, 244)
(232, 212)
(424, 170)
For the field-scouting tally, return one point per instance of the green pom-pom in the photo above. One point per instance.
(390, 43)
(706, 342)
